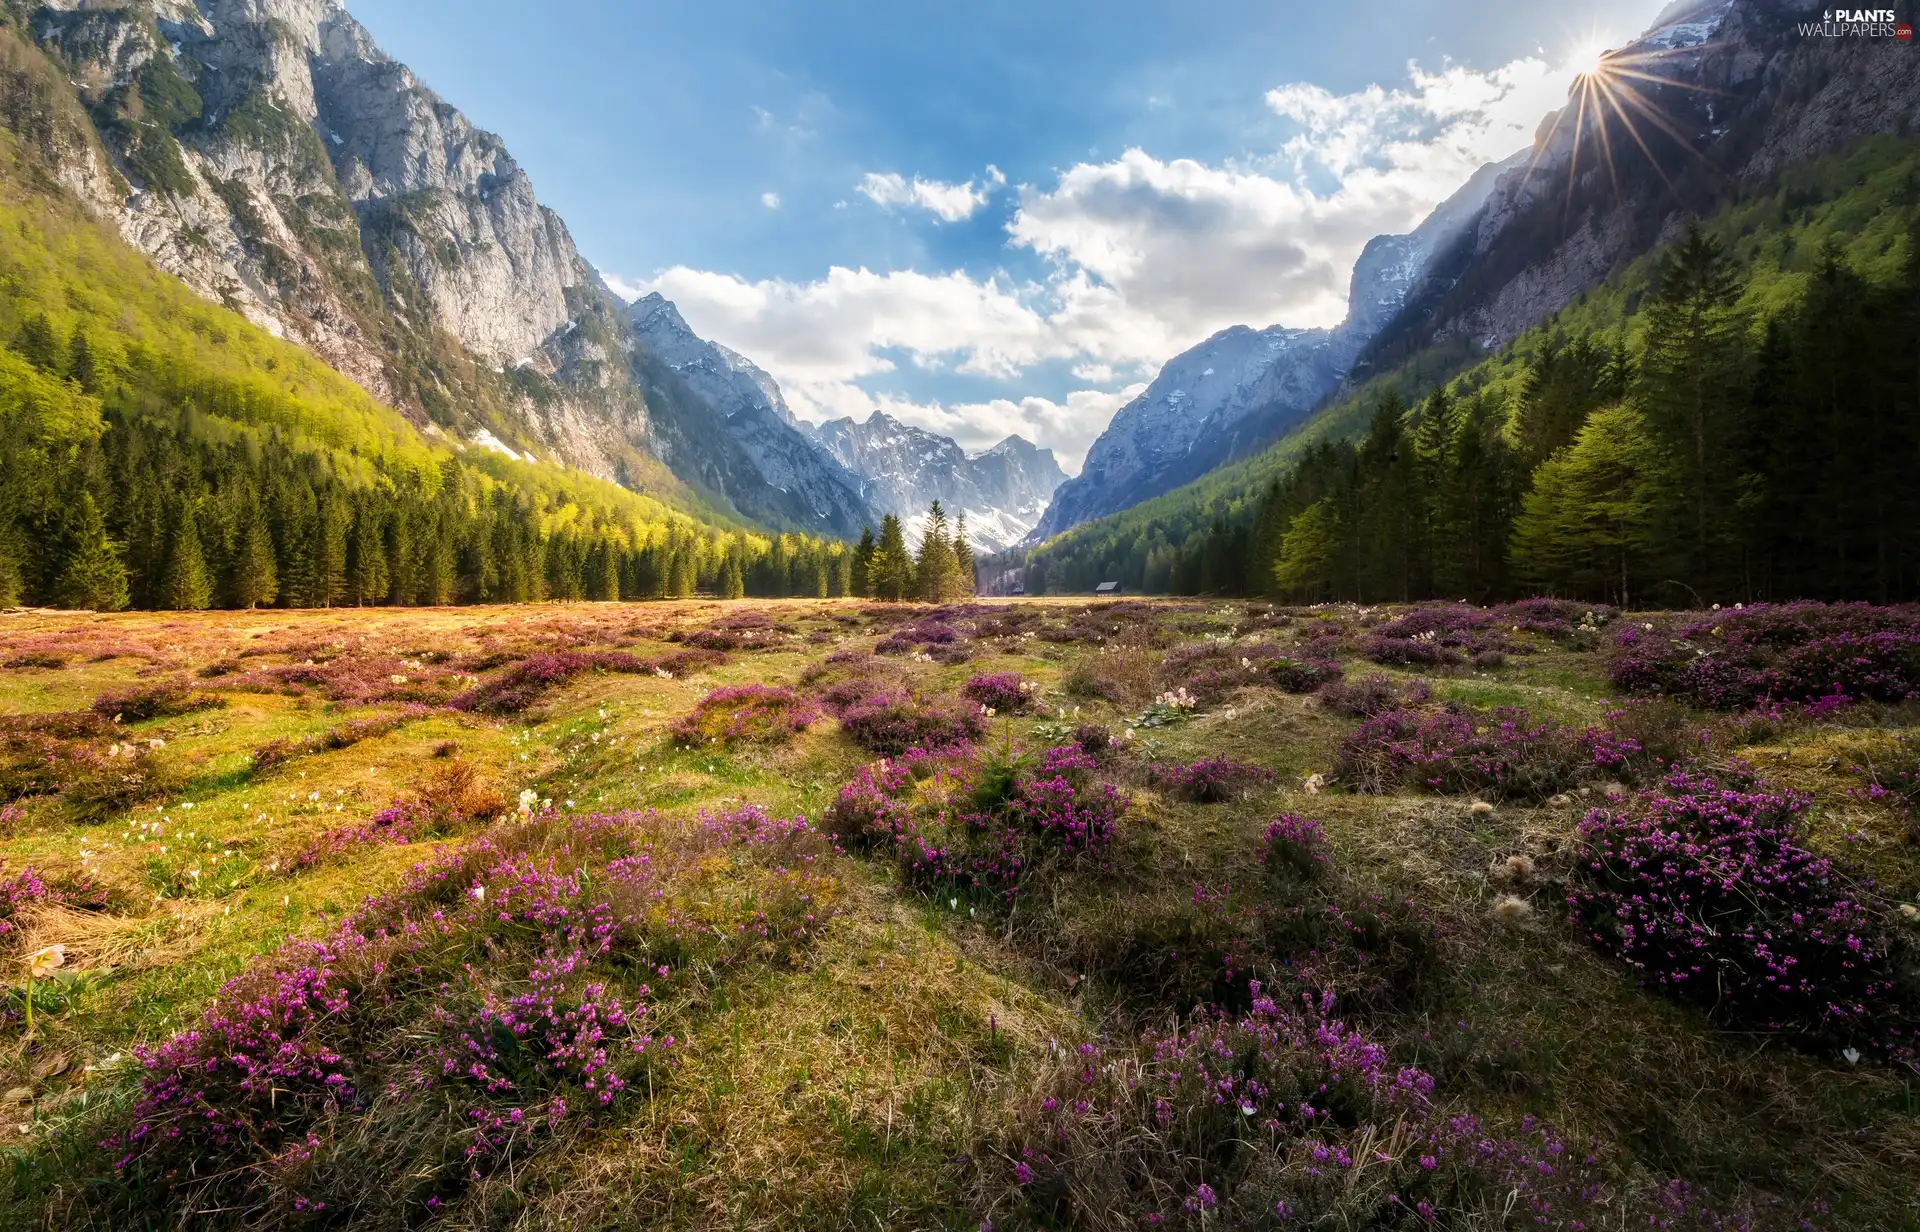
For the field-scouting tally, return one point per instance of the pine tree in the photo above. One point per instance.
(840, 584)
(95, 576)
(39, 343)
(1304, 568)
(733, 579)
(1689, 377)
(82, 369)
(367, 580)
(892, 567)
(187, 584)
(936, 576)
(963, 563)
(256, 580)
(1590, 526)
(861, 579)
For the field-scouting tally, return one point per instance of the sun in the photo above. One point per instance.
(1587, 58)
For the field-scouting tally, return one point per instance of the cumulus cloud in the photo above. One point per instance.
(1145, 257)
(946, 202)
(770, 199)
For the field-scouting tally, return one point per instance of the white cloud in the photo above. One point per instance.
(947, 202)
(1146, 257)
(770, 199)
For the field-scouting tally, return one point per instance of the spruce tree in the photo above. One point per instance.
(860, 581)
(39, 343)
(186, 585)
(82, 369)
(963, 562)
(892, 567)
(936, 575)
(95, 576)
(256, 580)
(733, 579)
(1689, 378)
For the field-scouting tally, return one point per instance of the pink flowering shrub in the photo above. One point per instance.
(1011, 819)
(1705, 888)
(520, 686)
(1279, 1116)
(17, 893)
(1803, 653)
(1503, 753)
(1212, 780)
(502, 999)
(1004, 692)
(1294, 845)
(165, 699)
(746, 714)
(871, 808)
(892, 723)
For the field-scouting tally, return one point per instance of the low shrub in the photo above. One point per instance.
(871, 808)
(1504, 753)
(1002, 692)
(1017, 818)
(1802, 653)
(1704, 886)
(1360, 699)
(1279, 1116)
(496, 1005)
(746, 714)
(165, 699)
(1293, 845)
(893, 723)
(523, 684)
(1212, 780)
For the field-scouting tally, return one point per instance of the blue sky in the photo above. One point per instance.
(993, 216)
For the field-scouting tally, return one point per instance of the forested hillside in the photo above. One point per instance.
(1734, 416)
(159, 451)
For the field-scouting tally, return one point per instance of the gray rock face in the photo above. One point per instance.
(1750, 96)
(1002, 490)
(271, 156)
(757, 459)
(1243, 387)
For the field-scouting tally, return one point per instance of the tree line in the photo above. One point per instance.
(1716, 458)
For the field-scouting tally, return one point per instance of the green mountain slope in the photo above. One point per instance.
(217, 465)
(1221, 533)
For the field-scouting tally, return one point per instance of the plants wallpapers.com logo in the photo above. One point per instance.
(1858, 23)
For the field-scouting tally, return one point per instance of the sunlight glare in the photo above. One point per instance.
(1585, 59)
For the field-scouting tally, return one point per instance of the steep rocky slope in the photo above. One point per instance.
(1243, 387)
(737, 434)
(1715, 98)
(270, 155)
(1002, 490)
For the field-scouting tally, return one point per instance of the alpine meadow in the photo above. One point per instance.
(964, 694)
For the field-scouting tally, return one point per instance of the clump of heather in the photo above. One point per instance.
(931, 637)
(500, 1002)
(1212, 780)
(892, 723)
(523, 684)
(1808, 654)
(278, 752)
(1560, 619)
(1360, 699)
(1705, 887)
(1002, 692)
(17, 893)
(872, 808)
(749, 714)
(1895, 780)
(165, 699)
(1294, 844)
(1015, 818)
(1504, 753)
(1303, 675)
(1285, 1115)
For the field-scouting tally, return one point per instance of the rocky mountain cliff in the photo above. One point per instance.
(271, 156)
(1243, 387)
(757, 457)
(1725, 93)
(1002, 490)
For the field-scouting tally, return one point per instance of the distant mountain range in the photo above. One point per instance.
(1243, 387)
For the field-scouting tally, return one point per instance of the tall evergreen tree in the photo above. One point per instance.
(256, 579)
(861, 582)
(892, 566)
(1689, 378)
(1591, 525)
(963, 563)
(936, 575)
(95, 576)
(187, 583)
